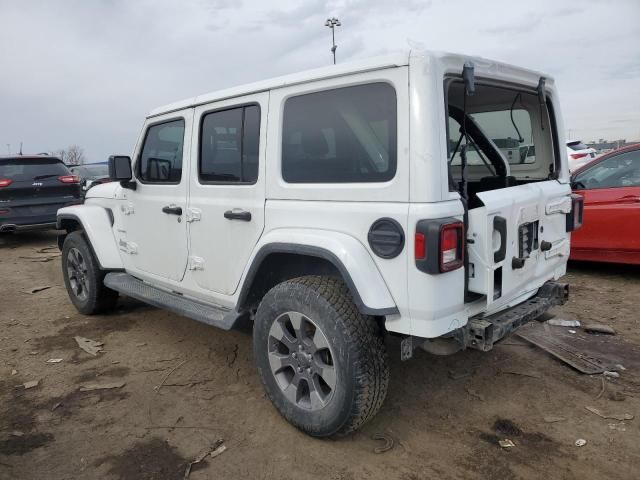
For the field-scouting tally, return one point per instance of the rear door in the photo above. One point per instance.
(611, 191)
(35, 188)
(227, 189)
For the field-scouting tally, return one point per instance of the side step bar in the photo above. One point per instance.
(129, 285)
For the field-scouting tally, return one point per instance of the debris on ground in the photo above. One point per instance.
(457, 375)
(14, 372)
(388, 443)
(620, 427)
(158, 387)
(581, 442)
(101, 386)
(31, 384)
(90, 346)
(599, 328)
(607, 373)
(520, 373)
(612, 416)
(54, 360)
(506, 443)
(553, 419)
(475, 394)
(572, 331)
(17, 433)
(141, 344)
(559, 322)
(38, 289)
(218, 447)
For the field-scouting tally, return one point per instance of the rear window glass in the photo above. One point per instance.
(29, 169)
(578, 145)
(340, 136)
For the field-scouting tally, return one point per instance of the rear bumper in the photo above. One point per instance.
(483, 333)
(15, 216)
(12, 227)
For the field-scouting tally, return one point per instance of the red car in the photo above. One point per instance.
(610, 186)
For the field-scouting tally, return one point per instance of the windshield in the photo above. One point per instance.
(29, 169)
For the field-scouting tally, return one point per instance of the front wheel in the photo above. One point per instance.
(83, 277)
(322, 363)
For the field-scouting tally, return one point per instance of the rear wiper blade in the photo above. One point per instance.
(40, 177)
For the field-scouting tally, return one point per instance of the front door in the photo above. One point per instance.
(154, 237)
(611, 191)
(226, 199)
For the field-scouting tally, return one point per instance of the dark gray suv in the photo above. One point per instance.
(32, 189)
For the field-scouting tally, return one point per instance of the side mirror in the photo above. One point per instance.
(120, 169)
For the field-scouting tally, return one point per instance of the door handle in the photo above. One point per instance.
(238, 215)
(500, 225)
(172, 210)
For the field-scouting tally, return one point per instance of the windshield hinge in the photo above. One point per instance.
(194, 214)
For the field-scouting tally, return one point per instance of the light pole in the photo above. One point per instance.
(332, 23)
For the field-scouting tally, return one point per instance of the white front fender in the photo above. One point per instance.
(97, 224)
(346, 253)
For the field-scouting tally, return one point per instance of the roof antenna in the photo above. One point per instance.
(20, 148)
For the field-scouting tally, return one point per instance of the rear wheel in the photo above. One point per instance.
(322, 363)
(83, 277)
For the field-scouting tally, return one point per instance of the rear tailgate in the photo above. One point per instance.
(519, 241)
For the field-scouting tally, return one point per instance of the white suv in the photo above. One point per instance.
(333, 207)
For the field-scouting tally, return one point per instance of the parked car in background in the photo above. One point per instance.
(32, 189)
(610, 186)
(579, 154)
(91, 174)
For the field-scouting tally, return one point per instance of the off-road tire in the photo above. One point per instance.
(97, 298)
(359, 355)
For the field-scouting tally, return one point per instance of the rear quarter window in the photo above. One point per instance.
(343, 135)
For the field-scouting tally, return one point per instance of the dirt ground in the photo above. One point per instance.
(444, 414)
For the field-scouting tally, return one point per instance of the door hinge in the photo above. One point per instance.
(196, 263)
(128, 247)
(127, 209)
(559, 205)
(194, 214)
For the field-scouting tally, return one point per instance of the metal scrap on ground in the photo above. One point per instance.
(612, 416)
(214, 450)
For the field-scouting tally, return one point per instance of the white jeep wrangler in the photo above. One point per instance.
(421, 195)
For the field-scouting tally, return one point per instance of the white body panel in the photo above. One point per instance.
(97, 225)
(335, 217)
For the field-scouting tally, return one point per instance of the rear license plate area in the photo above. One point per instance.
(527, 238)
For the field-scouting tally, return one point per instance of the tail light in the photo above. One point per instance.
(69, 179)
(576, 156)
(5, 182)
(574, 217)
(439, 245)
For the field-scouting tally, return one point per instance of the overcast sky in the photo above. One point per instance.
(87, 72)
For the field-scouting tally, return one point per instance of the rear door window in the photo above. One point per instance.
(30, 169)
(342, 135)
(229, 143)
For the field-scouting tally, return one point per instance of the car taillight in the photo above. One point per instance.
(574, 217)
(419, 247)
(5, 182)
(451, 246)
(439, 245)
(576, 156)
(69, 179)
